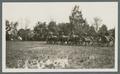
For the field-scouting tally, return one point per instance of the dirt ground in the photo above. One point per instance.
(36, 54)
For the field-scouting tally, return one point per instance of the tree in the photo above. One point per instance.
(8, 28)
(64, 28)
(52, 27)
(31, 35)
(92, 31)
(11, 30)
(76, 21)
(103, 30)
(14, 30)
(21, 32)
(97, 23)
(40, 31)
(85, 28)
(112, 32)
(26, 34)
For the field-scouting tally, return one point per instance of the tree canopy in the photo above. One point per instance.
(78, 25)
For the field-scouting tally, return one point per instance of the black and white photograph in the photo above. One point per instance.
(59, 36)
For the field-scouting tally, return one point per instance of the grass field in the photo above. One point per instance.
(35, 54)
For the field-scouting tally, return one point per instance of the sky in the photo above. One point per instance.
(29, 13)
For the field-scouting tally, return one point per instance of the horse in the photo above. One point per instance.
(110, 40)
(52, 39)
(87, 40)
(105, 40)
(63, 39)
(74, 40)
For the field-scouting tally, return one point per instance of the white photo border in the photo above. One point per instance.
(115, 69)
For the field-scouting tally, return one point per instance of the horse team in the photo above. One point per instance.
(81, 40)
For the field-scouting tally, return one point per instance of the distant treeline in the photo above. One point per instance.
(77, 26)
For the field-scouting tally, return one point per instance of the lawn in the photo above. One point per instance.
(39, 55)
